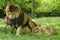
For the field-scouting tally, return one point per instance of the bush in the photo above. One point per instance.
(2, 14)
(53, 13)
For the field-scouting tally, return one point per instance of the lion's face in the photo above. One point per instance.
(12, 11)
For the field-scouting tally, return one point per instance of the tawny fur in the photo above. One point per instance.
(18, 18)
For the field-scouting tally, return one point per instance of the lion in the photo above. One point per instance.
(18, 18)
(49, 30)
(8, 22)
(41, 30)
(38, 30)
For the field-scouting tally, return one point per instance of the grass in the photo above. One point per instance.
(45, 21)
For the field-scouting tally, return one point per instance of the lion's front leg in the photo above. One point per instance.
(12, 30)
(18, 31)
(5, 28)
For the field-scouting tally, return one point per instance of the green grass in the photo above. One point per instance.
(45, 21)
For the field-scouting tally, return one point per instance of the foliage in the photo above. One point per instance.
(40, 6)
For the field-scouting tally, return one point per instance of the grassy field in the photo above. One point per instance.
(45, 21)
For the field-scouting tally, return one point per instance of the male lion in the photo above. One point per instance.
(18, 18)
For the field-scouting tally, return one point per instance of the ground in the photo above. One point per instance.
(44, 21)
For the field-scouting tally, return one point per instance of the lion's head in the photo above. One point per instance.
(13, 11)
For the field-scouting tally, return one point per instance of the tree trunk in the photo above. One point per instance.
(32, 9)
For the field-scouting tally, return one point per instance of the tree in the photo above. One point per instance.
(32, 9)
